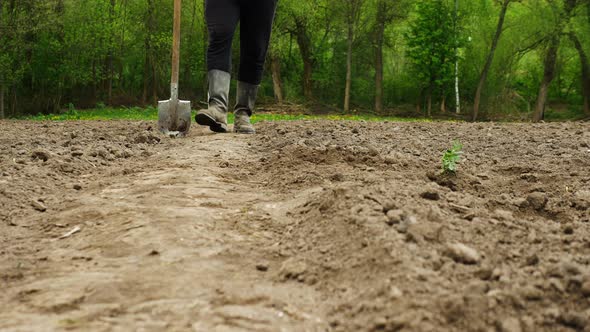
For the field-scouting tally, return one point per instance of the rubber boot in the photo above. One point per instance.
(245, 100)
(215, 116)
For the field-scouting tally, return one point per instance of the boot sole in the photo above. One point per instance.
(246, 132)
(205, 120)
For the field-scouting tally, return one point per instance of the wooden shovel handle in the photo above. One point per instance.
(176, 48)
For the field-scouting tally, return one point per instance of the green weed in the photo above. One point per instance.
(451, 157)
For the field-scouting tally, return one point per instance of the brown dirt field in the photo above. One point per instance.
(306, 226)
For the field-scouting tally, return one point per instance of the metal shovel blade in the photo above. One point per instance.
(174, 117)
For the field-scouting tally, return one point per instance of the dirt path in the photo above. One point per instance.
(307, 226)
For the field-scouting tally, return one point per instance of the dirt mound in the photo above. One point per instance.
(401, 247)
(307, 226)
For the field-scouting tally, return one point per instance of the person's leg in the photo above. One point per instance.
(222, 18)
(256, 20)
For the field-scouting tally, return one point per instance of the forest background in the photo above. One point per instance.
(471, 59)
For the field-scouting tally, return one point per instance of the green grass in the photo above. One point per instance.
(134, 113)
(151, 113)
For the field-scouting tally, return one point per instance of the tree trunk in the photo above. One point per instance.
(484, 74)
(349, 65)
(304, 43)
(146, 73)
(551, 61)
(154, 84)
(443, 104)
(110, 56)
(275, 68)
(94, 83)
(149, 66)
(2, 113)
(585, 72)
(191, 37)
(379, 69)
(2, 83)
(429, 101)
(205, 80)
(307, 80)
(457, 93)
(57, 96)
(13, 105)
(382, 19)
(548, 75)
(121, 80)
(420, 101)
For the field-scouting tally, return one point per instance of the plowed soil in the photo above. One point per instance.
(306, 226)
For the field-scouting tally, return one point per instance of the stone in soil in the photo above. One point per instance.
(537, 200)
(461, 253)
(40, 155)
(293, 268)
(509, 324)
(582, 200)
(39, 206)
(395, 217)
(574, 320)
(531, 293)
(263, 266)
(430, 194)
(585, 289)
(532, 260)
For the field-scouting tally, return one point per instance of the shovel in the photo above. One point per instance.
(174, 116)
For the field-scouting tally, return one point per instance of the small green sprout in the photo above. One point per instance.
(451, 157)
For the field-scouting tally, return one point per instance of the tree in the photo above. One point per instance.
(150, 74)
(550, 60)
(310, 23)
(457, 94)
(490, 58)
(3, 61)
(275, 68)
(431, 41)
(585, 69)
(384, 14)
(352, 16)
(548, 75)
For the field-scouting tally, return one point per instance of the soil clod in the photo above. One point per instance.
(39, 206)
(430, 194)
(462, 254)
(263, 267)
(40, 155)
(537, 200)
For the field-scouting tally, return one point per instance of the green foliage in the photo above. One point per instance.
(431, 42)
(451, 157)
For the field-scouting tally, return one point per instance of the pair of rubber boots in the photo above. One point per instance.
(215, 116)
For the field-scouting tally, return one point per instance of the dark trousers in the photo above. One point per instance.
(255, 17)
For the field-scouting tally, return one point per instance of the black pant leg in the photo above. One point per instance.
(222, 18)
(256, 18)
